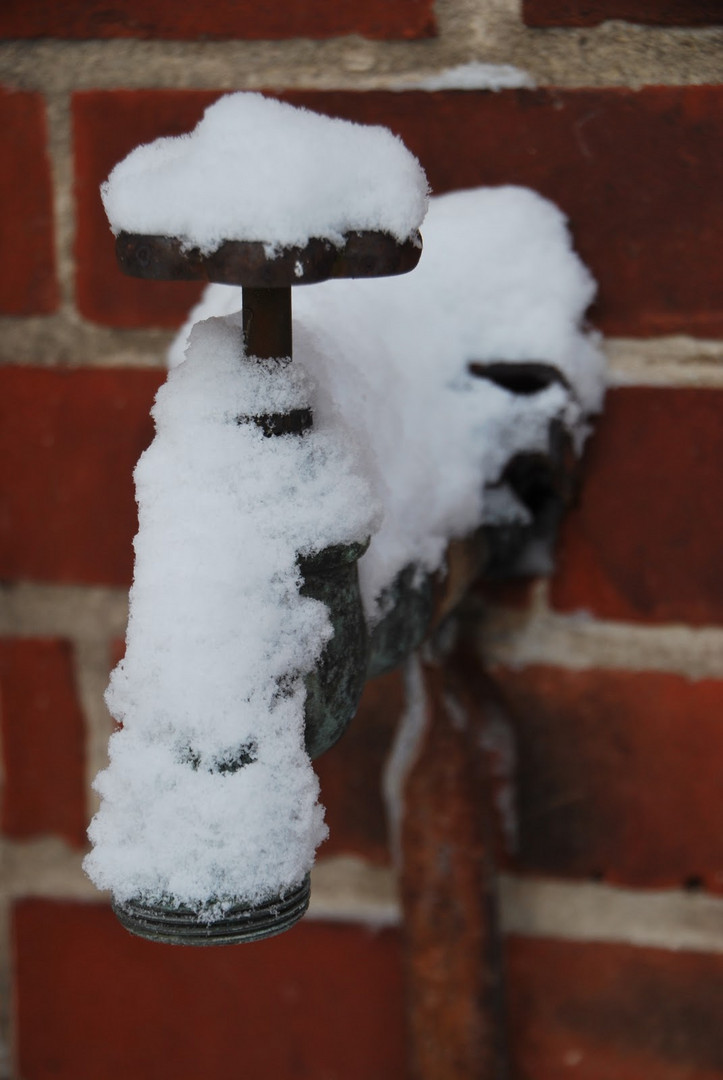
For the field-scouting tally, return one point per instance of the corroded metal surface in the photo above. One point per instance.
(545, 483)
(334, 687)
(408, 604)
(416, 602)
(253, 263)
(179, 925)
(267, 322)
(451, 932)
(295, 422)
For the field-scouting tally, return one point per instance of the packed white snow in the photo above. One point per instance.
(258, 169)
(219, 638)
(474, 75)
(498, 280)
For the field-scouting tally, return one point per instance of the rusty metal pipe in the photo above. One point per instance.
(267, 322)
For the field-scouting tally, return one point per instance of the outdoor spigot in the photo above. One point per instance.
(432, 432)
(334, 687)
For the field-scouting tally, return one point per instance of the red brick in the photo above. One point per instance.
(28, 283)
(252, 20)
(638, 173)
(618, 774)
(69, 440)
(43, 742)
(351, 774)
(613, 1012)
(92, 1001)
(644, 542)
(593, 12)
(117, 651)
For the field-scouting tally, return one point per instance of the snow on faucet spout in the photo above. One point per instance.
(209, 804)
(210, 796)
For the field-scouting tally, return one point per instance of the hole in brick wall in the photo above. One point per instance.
(693, 883)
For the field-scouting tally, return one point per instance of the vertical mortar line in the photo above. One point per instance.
(60, 152)
(540, 599)
(498, 23)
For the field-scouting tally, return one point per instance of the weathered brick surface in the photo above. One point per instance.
(618, 774)
(27, 268)
(196, 20)
(69, 440)
(644, 542)
(637, 172)
(351, 774)
(613, 1012)
(43, 742)
(592, 12)
(92, 1001)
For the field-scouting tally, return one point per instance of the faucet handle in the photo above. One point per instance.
(256, 264)
(267, 273)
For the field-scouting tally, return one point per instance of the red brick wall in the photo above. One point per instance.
(592, 12)
(589, 766)
(253, 20)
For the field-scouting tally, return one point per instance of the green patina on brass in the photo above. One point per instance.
(408, 606)
(334, 687)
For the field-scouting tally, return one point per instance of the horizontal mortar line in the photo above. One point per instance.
(78, 612)
(579, 642)
(576, 641)
(660, 361)
(45, 867)
(614, 53)
(63, 341)
(592, 912)
(346, 888)
(343, 63)
(66, 340)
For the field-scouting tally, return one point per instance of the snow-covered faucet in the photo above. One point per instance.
(412, 414)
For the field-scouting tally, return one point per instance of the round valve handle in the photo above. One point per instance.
(266, 278)
(247, 262)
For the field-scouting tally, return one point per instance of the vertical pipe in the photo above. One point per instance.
(267, 322)
(452, 942)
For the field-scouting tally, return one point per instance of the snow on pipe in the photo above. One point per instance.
(266, 479)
